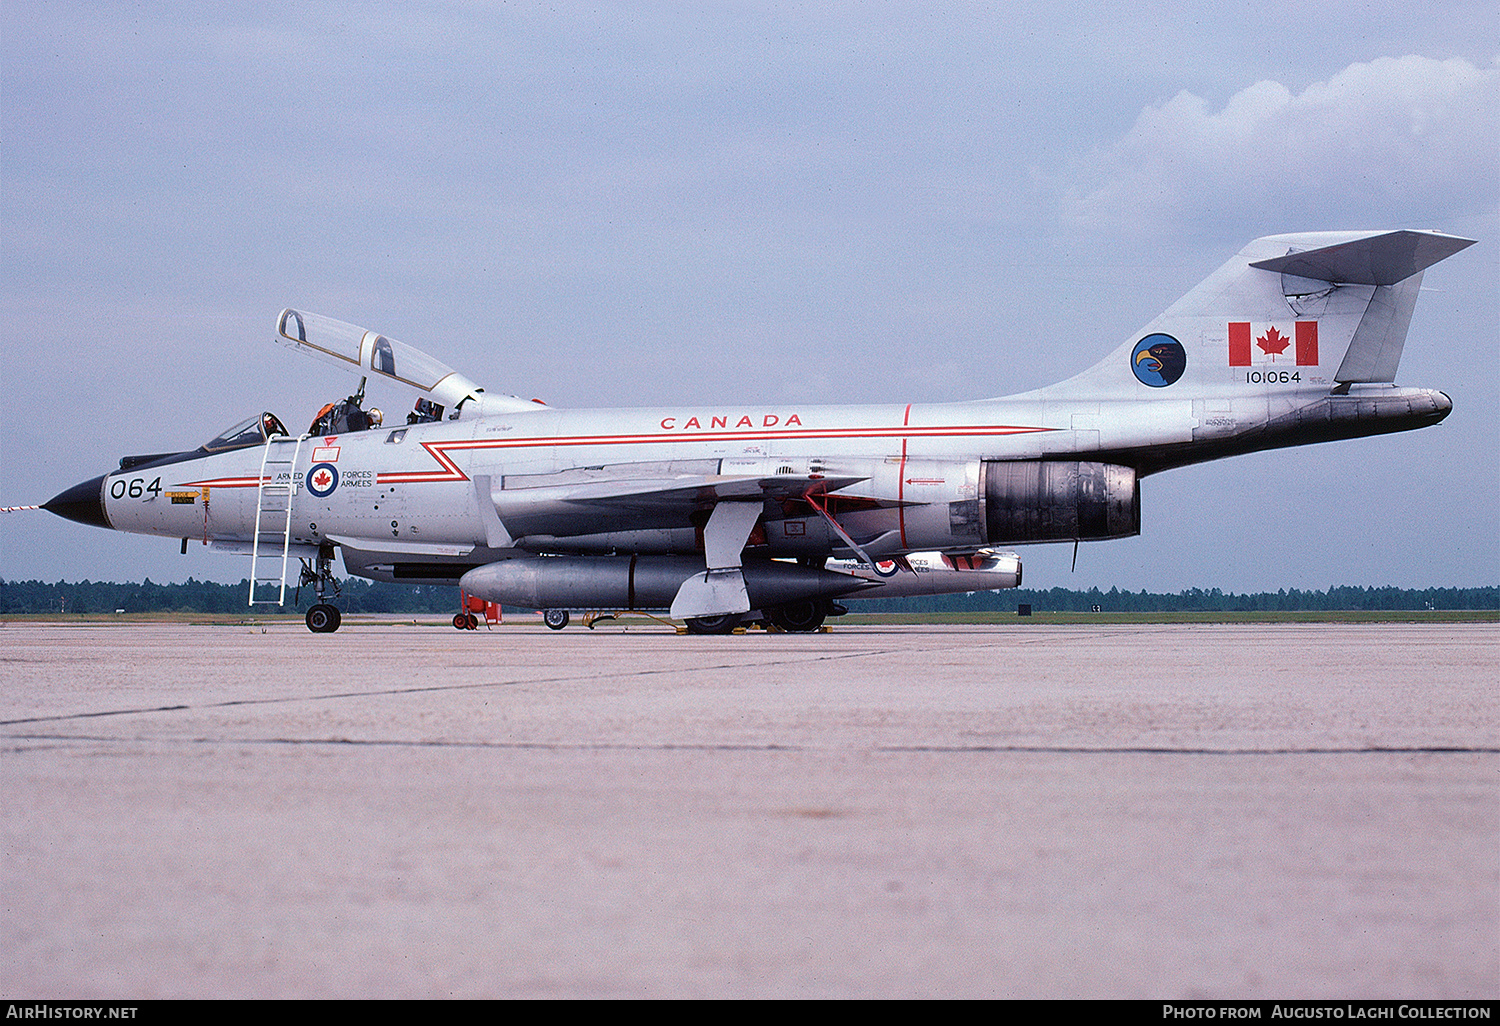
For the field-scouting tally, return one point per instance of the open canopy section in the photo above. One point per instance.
(367, 353)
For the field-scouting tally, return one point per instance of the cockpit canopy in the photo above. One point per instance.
(373, 354)
(250, 431)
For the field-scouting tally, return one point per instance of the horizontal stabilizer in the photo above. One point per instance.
(1382, 259)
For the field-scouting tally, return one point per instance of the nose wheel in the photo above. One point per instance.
(323, 618)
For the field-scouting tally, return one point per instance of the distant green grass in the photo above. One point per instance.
(851, 620)
(1194, 616)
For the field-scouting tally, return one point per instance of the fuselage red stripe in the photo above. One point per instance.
(225, 482)
(451, 472)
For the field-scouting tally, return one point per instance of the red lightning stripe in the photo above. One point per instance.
(451, 472)
(439, 451)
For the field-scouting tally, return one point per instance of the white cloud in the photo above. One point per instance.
(1385, 141)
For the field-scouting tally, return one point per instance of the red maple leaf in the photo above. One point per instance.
(1273, 342)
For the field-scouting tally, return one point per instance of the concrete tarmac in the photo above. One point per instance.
(1030, 811)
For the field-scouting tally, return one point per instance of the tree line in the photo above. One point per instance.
(1213, 600)
(356, 596)
(361, 596)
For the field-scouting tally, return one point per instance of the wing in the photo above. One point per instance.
(640, 496)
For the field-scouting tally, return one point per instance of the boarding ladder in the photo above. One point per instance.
(273, 517)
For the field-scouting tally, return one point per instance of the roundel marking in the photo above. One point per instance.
(322, 479)
(1158, 360)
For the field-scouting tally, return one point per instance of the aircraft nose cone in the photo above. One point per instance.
(84, 502)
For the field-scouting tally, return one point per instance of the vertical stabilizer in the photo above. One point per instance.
(1375, 350)
(1305, 311)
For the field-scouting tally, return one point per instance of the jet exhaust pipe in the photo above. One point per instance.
(640, 582)
(1059, 500)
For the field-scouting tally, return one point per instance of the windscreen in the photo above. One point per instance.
(250, 431)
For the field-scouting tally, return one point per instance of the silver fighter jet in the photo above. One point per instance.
(732, 513)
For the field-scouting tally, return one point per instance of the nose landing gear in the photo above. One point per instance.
(324, 617)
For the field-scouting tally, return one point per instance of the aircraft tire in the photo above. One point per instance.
(712, 624)
(460, 621)
(323, 618)
(802, 617)
(556, 619)
(471, 622)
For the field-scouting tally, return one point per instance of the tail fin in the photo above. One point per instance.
(1316, 310)
(1393, 264)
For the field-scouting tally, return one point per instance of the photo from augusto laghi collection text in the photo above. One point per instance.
(1325, 1010)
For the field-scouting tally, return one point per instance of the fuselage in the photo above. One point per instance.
(411, 490)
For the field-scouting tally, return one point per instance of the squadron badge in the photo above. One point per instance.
(1158, 360)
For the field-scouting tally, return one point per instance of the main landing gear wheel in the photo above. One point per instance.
(712, 624)
(323, 618)
(803, 617)
(465, 622)
(556, 619)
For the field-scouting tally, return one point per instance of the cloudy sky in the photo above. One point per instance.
(726, 203)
